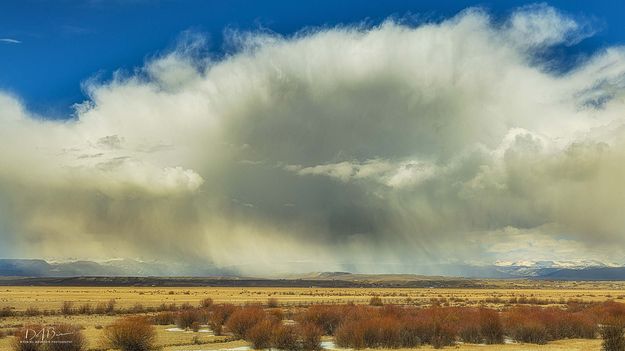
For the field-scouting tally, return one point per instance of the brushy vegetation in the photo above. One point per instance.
(218, 317)
(375, 325)
(285, 337)
(243, 319)
(130, 334)
(260, 334)
(311, 337)
(375, 301)
(206, 303)
(613, 338)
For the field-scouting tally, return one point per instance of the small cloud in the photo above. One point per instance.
(10, 41)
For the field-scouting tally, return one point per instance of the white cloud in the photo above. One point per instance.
(10, 41)
(391, 142)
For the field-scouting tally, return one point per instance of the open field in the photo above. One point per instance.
(49, 298)
(42, 305)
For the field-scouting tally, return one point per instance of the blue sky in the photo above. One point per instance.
(63, 43)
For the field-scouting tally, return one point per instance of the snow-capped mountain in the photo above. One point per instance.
(528, 269)
(546, 268)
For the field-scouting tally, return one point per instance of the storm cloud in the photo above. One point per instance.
(364, 147)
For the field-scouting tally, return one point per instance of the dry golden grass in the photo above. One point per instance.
(52, 298)
(44, 298)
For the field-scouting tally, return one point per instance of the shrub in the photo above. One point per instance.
(389, 335)
(67, 308)
(325, 317)
(241, 321)
(186, 318)
(375, 301)
(260, 334)
(195, 326)
(311, 337)
(219, 315)
(105, 307)
(130, 334)
(348, 335)
(410, 333)
(68, 338)
(368, 333)
(470, 333)
(164, 318)
(573, 325)
(6, 312)
(613, 339)
(490, 326)
(527, 324)
(206, 303)
(275, 315)
(284, 337)
(85, 309)
(110, 306)
(272, 302)
(530, 332)
(137, 308)
(32, 311)
(443, 336)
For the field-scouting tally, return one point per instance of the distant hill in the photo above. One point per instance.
(553, 270)
(111, 268)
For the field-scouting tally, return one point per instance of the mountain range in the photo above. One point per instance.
(552, 270)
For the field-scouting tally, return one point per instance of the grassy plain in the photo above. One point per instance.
(19, 299)
(43, 298)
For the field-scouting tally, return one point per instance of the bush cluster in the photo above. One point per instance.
(130, 334)
(539, 325)
(266, 328)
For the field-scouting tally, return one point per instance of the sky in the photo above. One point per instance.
(355, 135)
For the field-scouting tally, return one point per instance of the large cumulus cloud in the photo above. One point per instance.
(373, 148)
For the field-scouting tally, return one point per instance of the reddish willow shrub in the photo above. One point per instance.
(260, 334)
(164, 318)
(540, 325)
(393, 326)
(285, 337)
(206, 303)
(130, 334)
(376, 301)
(311, 337)
(491, 327)
(327, 318)
(364, 327)
(243, 319)
(219, 314)
(266, 330)
(187, 318)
